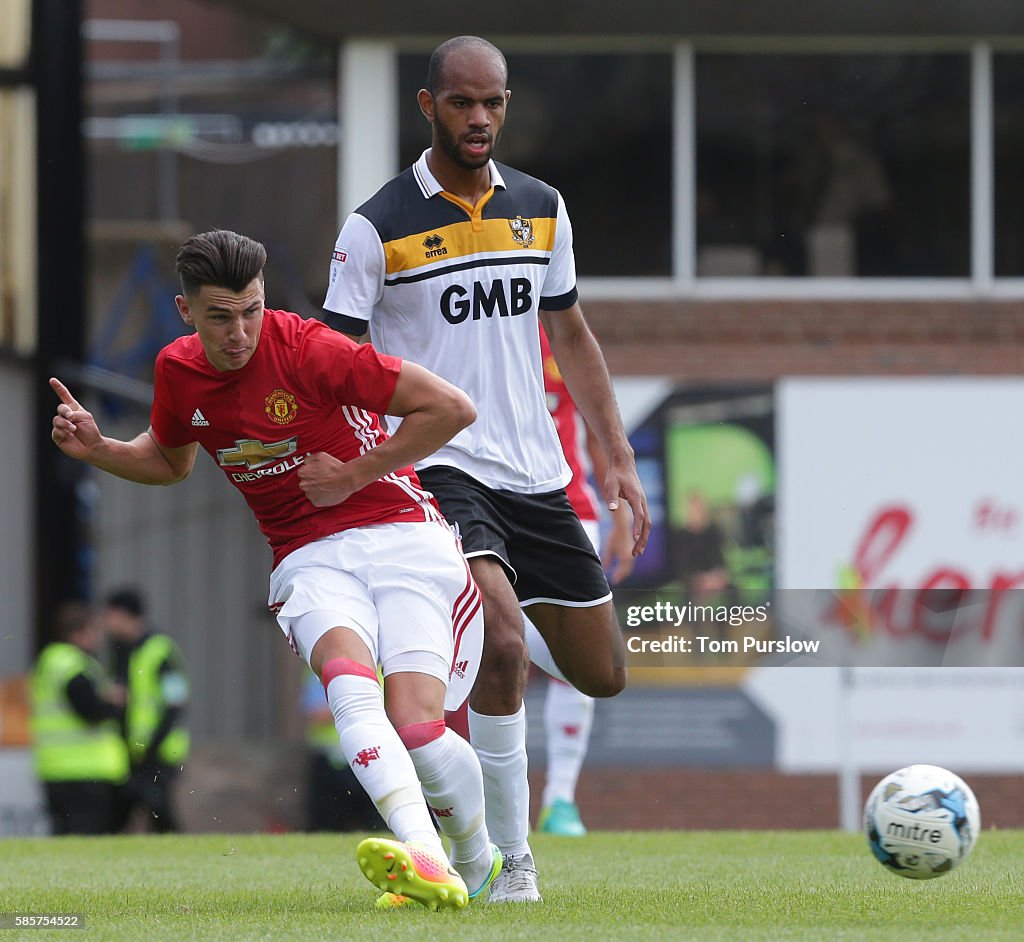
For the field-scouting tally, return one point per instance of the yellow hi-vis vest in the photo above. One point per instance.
(147, 703)
(66, 747)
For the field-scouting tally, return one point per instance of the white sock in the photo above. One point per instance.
(376, 753)
(568, 717)
(449, 772)
(500, 744)
(540, 654)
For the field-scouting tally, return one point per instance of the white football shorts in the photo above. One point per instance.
(404, 588)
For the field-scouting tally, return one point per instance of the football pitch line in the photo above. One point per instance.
(608, 886)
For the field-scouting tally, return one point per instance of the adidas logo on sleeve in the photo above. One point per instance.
(199, 420)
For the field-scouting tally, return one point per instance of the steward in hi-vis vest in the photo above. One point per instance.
(157, 692)
(80, 756)
(152, 669)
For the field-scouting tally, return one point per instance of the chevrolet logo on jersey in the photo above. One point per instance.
(255, 454)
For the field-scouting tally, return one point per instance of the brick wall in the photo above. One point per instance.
(231, 788)
(693, 799)
(729, 341)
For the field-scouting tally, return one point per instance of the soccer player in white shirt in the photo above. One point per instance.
(451, 264)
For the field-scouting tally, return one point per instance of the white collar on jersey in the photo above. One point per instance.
(428, 182)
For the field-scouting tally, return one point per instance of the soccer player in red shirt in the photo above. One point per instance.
(366, 571)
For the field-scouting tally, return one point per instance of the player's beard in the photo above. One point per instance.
(450, 145)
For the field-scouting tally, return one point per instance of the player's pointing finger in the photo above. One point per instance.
(63, 393)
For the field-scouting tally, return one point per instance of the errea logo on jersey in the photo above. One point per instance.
(459, 304)
(433, 245)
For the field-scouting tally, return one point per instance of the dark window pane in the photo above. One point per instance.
(833, 165)
(1008, 81)
(597, 127)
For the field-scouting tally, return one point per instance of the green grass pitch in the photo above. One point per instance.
(608, 886)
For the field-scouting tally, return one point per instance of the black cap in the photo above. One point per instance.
(128, 600)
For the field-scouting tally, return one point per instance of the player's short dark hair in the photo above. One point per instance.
(129, 600)
(439, 58)
(220, 258)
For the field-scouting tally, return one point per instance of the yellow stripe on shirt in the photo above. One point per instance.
(442, 246)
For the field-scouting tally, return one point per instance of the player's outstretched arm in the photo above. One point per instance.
(433, 411)
(582, 366)
(143, 460)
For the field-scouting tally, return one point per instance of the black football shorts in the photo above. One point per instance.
(537, 537)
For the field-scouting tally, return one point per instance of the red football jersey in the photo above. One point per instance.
(567, 423)
(307, 388)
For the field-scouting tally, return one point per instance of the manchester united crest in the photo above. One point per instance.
(281, 407)
(522, 231)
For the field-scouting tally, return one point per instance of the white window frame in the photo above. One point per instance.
(686, 284)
